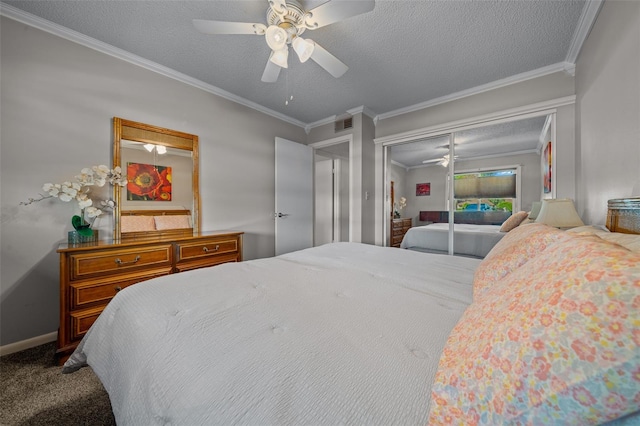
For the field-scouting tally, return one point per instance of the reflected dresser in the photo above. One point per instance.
(399, 227)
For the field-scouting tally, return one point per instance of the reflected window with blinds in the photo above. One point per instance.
(487, 190)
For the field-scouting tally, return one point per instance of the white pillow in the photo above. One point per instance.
(180, 221)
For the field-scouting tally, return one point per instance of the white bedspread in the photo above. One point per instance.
(468, 240)
(344, 333)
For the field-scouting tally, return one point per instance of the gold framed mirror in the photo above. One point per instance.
(162, 196)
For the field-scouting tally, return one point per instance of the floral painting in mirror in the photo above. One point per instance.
(147, 182)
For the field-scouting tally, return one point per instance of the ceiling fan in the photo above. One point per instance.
(287, 20)
(443, 161)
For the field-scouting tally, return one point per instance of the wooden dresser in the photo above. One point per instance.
(92, 274)
(399, 227)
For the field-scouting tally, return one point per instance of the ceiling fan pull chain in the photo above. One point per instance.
(288, 97)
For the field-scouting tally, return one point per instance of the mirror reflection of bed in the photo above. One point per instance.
(515, 145)
(475, 232)
(140, 224)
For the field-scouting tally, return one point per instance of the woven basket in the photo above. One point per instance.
(624, 215)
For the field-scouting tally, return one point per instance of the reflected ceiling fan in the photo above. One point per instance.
(287, 20)
(443, 161)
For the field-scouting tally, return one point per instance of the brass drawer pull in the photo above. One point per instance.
(206, 249)
(118, 288)
(120, 262)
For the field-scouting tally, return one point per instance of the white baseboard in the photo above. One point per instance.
(29, 343)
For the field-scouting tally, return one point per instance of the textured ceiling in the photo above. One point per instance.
(401, 54)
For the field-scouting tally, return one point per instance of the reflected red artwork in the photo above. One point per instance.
(146, 182)
(547, 168)
(423, 189)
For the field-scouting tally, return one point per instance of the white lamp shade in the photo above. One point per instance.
(276, 37)
(559, 213)
(535, 210)
(161, 149)
(280, 57)
(303, 48)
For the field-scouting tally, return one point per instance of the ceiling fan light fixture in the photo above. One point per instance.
(303, 48)
(276, 37)
(161, 149)
(149, 146)
(280, 57)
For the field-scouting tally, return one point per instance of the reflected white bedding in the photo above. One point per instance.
(342, 333)
(468, 239)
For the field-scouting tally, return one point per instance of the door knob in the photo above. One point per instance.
(282, 214)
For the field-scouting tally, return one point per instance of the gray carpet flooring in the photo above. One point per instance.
(33, 391)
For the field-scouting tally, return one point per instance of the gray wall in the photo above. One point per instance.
(58, 101)
(363, 188)
(608, 110)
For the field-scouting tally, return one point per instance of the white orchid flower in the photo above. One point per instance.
(80, 188)
(108, 204)
(67, 192)
(101, 173)
(51, 189)
(84, 201)
(85, 177)
(101, 170)
(93, 212)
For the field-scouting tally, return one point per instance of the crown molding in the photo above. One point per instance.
(319, 123)
(353, 111)
(396, 163)
(566, 67)
(525, 111)
(587, 19)
(585, 23)
(364, 110)
(74, 36)
(518, 78)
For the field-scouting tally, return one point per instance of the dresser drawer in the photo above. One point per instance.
(81, 321)
(96, 291)
(399, 232)
(204, 262)
(206, 248)
(85, 265)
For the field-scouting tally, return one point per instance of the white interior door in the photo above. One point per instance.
(294, 196)
(324, 208)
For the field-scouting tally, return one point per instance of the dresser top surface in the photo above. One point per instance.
(111, 243)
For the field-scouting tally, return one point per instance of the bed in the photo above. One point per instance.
(348, 333)
(468, 239)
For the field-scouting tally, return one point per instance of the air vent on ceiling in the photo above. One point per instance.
(343, 123)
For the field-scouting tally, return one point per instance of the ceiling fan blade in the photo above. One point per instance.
(222, 27)
(326, 60)
(337, 10)
(271, 73)
(432, 161)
